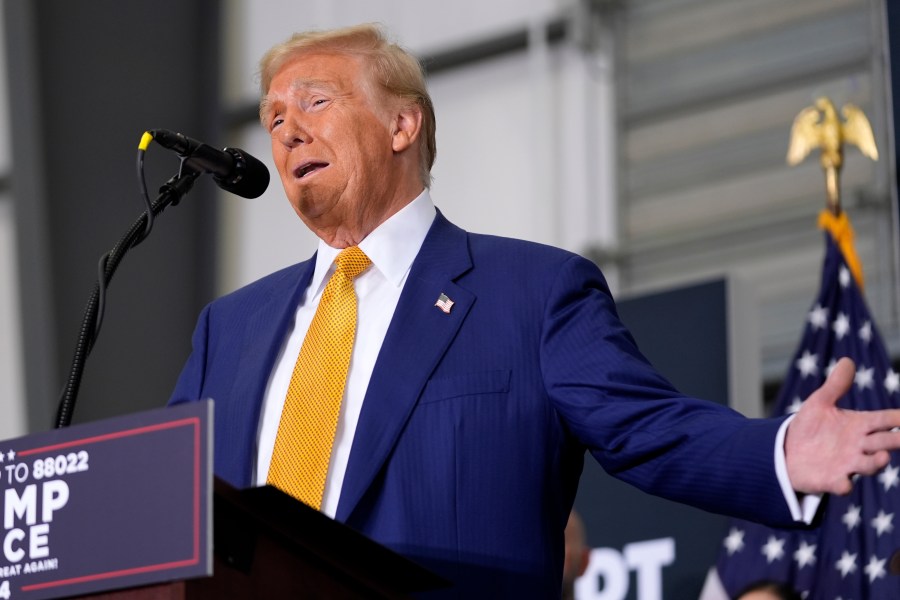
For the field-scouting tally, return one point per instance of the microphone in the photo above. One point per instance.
(232, 169)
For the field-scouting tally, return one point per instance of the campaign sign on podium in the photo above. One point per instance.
(110, 504)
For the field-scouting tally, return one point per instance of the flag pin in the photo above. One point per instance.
(444, 303)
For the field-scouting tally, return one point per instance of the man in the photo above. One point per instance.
(481, 368)
(577, 554)
(768, 590)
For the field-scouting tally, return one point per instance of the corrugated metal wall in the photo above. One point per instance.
(708, 91)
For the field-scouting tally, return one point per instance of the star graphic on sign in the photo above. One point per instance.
(11, 455)
(794, 406)
(805, 555)
(808, 363)
(841, 326)
(892, 382)
(847, 564)
(883, 522)
(889, 477)
(875, 568)
(852, 517)
(864, 377)
(865, 332)
(735, 541)
(774, 549)
(844, 276)
(818, 317)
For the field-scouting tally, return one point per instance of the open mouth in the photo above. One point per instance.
(308, 168)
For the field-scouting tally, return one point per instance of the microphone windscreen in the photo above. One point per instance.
(253, 179)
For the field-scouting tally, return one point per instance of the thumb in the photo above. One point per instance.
(839, 381)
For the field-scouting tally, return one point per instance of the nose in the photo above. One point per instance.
(292, 133)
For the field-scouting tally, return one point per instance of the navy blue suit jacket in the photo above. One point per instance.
(475, 423)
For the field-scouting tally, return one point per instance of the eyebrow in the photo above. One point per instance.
(312, 83)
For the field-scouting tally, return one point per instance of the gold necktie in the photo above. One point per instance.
(309, 419)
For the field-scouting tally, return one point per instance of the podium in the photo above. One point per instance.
(268, 545)
(128, 509)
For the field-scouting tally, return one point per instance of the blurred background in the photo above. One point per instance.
(648, 135)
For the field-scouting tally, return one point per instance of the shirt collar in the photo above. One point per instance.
(392, 246)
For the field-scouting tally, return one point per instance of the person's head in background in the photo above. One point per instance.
(577, 554)
(768, 590)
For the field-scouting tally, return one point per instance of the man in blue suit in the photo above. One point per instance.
(483, 368)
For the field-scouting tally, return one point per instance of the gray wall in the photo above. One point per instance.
(85, 80)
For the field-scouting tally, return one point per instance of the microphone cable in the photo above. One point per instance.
(102, 275)
(170, 194)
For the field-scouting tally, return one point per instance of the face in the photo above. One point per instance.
(759, 595)
(335, 142)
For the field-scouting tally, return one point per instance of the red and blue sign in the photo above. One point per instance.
(111, 504)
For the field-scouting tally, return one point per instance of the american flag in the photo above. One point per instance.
(848, 556)
(444, 303)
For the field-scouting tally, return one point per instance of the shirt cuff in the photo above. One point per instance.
(804, 508)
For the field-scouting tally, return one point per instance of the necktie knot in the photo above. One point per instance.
(352, 261)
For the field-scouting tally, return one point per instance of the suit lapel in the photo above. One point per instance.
(417, 338)
(264, 333)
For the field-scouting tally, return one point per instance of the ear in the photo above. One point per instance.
(407, 127)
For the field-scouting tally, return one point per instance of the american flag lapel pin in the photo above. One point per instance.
(444, 303)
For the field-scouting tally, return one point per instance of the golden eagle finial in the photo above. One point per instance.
(818, 126)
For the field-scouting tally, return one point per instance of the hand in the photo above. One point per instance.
(826, 445)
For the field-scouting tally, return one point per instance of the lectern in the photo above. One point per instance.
(128, 508)
(268, 545)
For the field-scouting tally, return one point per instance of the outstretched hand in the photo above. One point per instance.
(826, 445)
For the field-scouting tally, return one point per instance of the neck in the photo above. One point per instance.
(352, 231)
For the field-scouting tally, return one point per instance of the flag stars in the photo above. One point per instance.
(805, 555)
(735, 541)
(852, 517)
(864, 378)
(865, 332)
(841, 326)
(892, 382)
(808, 364)
(875, 568)
(889, 477)
(774, 549)
(844, 276)
(818, 317)
(883, 522)
(846, 564)
(848, 557)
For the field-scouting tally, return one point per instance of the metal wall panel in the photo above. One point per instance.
(708, 91)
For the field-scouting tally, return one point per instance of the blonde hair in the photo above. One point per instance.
(393, 68)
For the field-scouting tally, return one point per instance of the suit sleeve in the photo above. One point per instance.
(189, 386)
(636, 424)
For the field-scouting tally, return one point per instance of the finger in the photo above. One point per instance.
(883, 438)
(869, 464)
(841, 487)
(839, 381)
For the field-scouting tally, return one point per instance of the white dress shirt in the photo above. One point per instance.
(391, 247)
